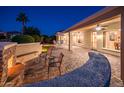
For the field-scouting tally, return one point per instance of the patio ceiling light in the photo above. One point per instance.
(98, 28)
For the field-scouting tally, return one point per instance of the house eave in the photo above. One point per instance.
(103, 14)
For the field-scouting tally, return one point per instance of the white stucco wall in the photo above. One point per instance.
(83, 36)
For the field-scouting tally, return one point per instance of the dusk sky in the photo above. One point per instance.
(48, 20)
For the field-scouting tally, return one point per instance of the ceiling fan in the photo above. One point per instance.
(99, 27)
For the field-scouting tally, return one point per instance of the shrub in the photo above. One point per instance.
(2, 37)
(23, 39)
(31, 30)
(37, 38)
(48, 39)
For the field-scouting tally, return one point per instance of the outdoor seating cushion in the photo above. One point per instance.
(96, 72)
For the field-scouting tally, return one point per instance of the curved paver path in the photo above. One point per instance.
(72, 60)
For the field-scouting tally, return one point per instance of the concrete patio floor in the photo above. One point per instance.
(72, 60)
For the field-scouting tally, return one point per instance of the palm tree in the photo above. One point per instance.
(22, 17)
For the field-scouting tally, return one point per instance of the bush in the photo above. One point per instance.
(23, 39)
(31, 30)
(37, 38)
(2, 37)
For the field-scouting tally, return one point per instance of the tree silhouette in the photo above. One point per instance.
(22, 17)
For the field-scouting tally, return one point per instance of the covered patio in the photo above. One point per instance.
(101, 32)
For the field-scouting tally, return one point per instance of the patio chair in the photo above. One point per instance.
(47, 55)
(55, 63)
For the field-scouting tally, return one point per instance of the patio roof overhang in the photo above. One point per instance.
(105, 14)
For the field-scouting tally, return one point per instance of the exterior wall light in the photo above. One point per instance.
(98, 28)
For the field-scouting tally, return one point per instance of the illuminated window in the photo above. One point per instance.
(111, 40)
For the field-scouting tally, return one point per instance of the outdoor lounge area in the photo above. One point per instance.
(36, 71)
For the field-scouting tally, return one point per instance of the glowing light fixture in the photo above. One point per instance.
(98, 28)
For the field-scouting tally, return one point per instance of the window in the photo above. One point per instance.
(111, 40)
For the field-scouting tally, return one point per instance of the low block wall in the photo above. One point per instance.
(8, 59)
(22, 49)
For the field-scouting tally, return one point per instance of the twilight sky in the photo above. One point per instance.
(48, 20)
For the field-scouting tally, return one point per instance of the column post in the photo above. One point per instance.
(122, 45)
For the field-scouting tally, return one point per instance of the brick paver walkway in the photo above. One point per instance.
(72, 60)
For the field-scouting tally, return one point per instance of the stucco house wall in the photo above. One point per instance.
(83, 38)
